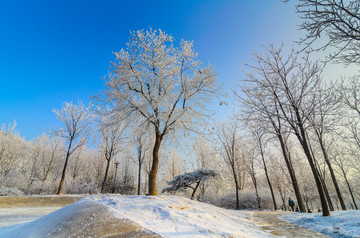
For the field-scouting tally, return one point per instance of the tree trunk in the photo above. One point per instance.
(155, 164)
(324, 204)
(350, 190)
(139, 178)
(271, 189)
(64, 169)
(322, 179)
(328, 198)
(256, 190)
(287, 158)
(303, 141)
(338, 192)
(236, 187)
(193, 193)
(106, 175)
(267, 177)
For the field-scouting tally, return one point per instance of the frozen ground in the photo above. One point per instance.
(339, 224)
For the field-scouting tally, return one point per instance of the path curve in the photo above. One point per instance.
(270, 221)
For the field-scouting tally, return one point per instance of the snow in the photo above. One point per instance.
(172, 216)
(338, 224)
(168, 216)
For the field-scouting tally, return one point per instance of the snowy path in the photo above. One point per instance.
(269, 221)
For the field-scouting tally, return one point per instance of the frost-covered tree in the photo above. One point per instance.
(127, 179)
(332, 24)
(51, 151)
(345, 165)
(259, 136)
(207, 158)
(12, 151)
(112, 139)
(76, 120)
(142, 147)
(190, 180)
(289, 83)
(229, 148)
(155, 83)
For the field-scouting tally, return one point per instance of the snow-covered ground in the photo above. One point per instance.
(338, 224)
(173, 216)
(168, 216)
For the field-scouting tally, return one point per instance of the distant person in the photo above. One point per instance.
(296, 209)
(291, 204)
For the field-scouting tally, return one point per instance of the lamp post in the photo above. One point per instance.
(116, 167)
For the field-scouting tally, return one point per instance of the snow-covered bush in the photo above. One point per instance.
(187, 180)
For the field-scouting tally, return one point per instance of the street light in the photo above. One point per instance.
(116, 167)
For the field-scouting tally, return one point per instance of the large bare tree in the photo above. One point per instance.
(257, 106)
(153, 82)
(75, 120)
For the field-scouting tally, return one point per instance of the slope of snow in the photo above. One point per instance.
(338, 224)
(168, 216)
(85, 218)
(172, 216)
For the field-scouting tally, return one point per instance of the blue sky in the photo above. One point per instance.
(56, 51)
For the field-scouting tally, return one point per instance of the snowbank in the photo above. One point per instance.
(339, 224)
(138, 216)
(172, 216)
